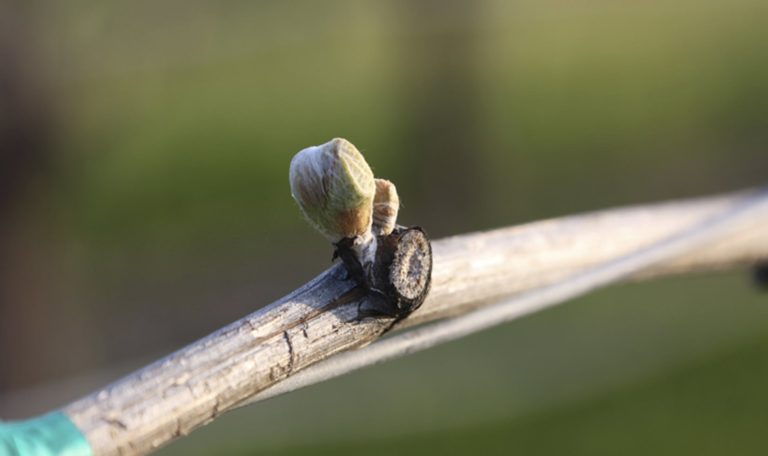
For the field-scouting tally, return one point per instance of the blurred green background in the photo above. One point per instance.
(144, 202)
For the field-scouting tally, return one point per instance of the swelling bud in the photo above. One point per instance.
(334, 187)
(386, 204)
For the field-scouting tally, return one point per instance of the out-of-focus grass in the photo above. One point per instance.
(607, 102)
(180, 122)
(716, 407)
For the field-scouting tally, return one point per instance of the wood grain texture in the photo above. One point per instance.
(194, 385)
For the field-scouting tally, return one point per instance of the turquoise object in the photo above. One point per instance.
(48, 435)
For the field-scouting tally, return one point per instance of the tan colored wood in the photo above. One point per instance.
(194, 385)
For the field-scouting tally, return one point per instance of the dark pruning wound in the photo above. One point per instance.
(339, 196)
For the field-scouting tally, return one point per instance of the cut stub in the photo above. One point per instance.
(403, 270)
(400, 275)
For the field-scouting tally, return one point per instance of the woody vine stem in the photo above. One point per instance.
(352, 304)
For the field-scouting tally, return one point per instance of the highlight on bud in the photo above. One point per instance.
(334, 187)
(386, 204)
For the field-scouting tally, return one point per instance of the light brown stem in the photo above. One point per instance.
(194, 385)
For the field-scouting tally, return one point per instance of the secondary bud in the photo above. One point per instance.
(386, 203)
(334, 187)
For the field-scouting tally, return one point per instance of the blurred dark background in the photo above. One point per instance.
(144, 202)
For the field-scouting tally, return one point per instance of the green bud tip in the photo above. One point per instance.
(334, 187)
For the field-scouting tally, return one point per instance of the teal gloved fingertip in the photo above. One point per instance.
(53, 434)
